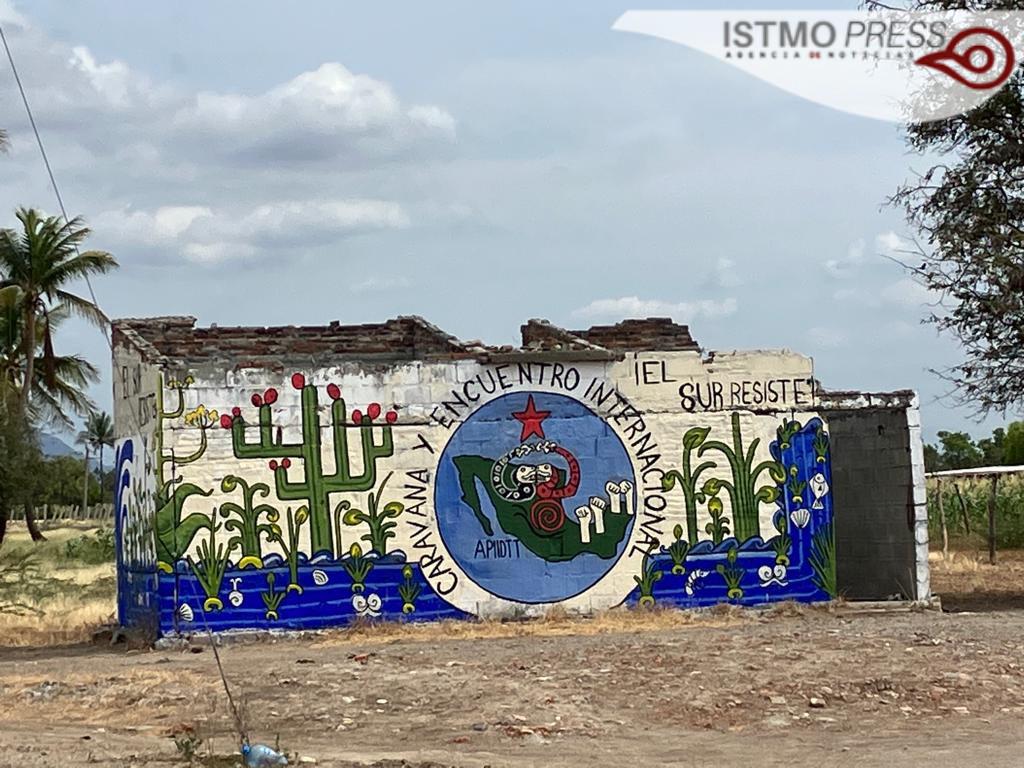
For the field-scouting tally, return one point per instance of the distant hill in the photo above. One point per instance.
(51, 445)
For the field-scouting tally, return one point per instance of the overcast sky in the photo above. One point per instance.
(476, 163)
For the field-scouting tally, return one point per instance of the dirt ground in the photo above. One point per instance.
(785, 686)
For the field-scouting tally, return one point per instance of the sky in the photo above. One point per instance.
(476, 163)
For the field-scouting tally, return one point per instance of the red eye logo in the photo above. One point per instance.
(979, 58)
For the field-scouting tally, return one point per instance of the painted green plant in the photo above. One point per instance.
(381, 521)
(718, 528)
(316, 485)
(358, 566)
(781, 543)
(795, 485)
(823, 559)
(408, 590)
(732, 574)
(290, 544)
(272, 598)
(173, 531)
(820, 446)
(649, 575)
(210, 568)
(689, 477)
(786, 431)
(677, 550)
(244, 520)
(744, 492)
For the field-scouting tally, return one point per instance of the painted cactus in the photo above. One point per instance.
(316, 486)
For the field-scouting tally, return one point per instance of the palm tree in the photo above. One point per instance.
(5, 140)
(36, 264)
(98, 433)
(55, 400)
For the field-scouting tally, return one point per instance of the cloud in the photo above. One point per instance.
(824, 337)
(846, 266)
(209, 236)
(380, 284)
(634, 306)
(907, 293)
(315, 116)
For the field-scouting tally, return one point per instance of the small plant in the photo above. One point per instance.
(408, 590)
(295, 520)
(677, 550)
(244, 520)
(823, 559)
(380, 521)
(209, 570)
(272, 598)
(782, 542)
(820, 446)
(718, 528)
(92, 549)
(649, 576)
(732, 574)
(18, 573)
(358, 567)
(795, 485)
(188, 745)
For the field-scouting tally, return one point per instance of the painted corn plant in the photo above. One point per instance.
(379, 520)
(209, 569)
(244, 520)
(744, 492)
(688, 478)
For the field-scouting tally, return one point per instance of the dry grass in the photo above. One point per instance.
(966, 581)
(67, 599)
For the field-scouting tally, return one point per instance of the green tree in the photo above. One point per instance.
(21, 463)
(97, 435)
(932, 458)
(38, 262)
(968, 208)
(62, 482)
(992, 447)
(959, 451)
(1013, 448)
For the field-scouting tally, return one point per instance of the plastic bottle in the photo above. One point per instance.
(262, 756)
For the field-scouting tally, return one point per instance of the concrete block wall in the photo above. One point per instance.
(465, 481)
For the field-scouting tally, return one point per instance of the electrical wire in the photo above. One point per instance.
(239, 724)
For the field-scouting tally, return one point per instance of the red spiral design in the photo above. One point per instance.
(547, 516)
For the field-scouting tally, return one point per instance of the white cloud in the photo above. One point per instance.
(634, 306)
(845, 267)
(891, 244)
(209, 236)
(824, 337)
(907, 293)
(380, 284)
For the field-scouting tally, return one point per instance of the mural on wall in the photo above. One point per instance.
(297, 510)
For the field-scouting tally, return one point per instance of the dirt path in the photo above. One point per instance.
(792, 687)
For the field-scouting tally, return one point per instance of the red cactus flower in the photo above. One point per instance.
(334, 391)
(236, 411)
(273, 463)
(391, 417)
(373, 411)
(257, 400)
(357, 416)
(225, 421)
(298, 380)
(270, 396)
(286, 463)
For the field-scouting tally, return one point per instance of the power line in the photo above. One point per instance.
(239, 723)
(42, 151)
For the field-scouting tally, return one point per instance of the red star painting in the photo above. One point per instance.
(531, 419)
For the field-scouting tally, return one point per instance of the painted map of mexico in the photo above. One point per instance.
(544, 473)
